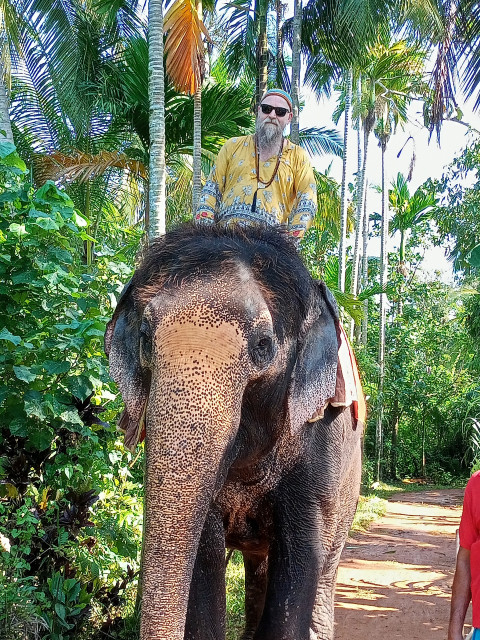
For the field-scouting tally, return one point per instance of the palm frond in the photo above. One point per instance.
(320, 141)
(184, 47)
(82, 166)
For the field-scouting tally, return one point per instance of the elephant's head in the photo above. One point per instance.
(215, 326)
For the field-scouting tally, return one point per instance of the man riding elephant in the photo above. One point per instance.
(262, 177)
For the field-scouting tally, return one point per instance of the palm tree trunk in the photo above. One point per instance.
(197, 137)
(358, 202)
(5, 124)
(296, 62)
(365, 268)
(197, 148)
(359, 217)
(383, 316)
(344, 202)
(156, 94)
(395, 426)
(402, 271)
(262, 48)
(279, 10)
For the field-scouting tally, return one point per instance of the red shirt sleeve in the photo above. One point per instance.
(468, 530)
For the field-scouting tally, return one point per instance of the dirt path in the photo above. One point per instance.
(395, 579)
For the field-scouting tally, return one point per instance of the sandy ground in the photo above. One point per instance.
(395, 579)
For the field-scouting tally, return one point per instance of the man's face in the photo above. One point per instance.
(270, 124)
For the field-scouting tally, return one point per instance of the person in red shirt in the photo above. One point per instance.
(466, 582)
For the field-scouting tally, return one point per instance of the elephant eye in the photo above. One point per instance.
(261, 349)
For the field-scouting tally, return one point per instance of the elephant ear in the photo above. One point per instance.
(122, 346)
(314, 375)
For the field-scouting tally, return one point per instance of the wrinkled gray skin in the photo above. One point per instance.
(231, 458)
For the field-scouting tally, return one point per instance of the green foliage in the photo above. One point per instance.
(429, 387)
(457, 217)
(235, 577)
(70, 507)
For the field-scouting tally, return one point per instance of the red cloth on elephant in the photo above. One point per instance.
(348, 388)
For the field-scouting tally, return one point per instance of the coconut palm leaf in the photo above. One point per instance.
(240, 50)
(84, 166)
(327, 218)
(320, 141)
(184, 47)
(352, 305)
(123, 19)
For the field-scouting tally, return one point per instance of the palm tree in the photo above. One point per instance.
(364, 283)
(334, 53)
(383, 132)
(409, 212)
(400, 86)
(251, 52)
(387, 70)
(185, 64)
(156, 93)
(296, 61)
(58, 104)
(12, 26)
(342, 249)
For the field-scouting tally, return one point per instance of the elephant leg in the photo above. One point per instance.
(323, 612)
(206, 604)
(255, 588)
(293, 570)
(322, 625)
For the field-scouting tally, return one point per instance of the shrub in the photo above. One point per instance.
(70, 507)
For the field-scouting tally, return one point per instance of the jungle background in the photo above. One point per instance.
(92, 164)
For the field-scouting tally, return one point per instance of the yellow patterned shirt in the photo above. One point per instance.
(228, 194)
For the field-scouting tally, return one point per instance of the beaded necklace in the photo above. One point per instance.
(260, 183)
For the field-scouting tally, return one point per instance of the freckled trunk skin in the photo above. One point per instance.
(193, 415)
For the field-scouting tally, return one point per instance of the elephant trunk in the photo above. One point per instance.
(193, 415)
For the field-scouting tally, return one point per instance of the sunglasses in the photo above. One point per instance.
(279, 111)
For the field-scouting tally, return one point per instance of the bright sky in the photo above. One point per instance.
(431, 159)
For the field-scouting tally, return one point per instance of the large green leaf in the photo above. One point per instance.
(24, 373)
(473, 257)
(6, 335)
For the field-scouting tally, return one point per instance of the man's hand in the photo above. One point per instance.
(461, 595)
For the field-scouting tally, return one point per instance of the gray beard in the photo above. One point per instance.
(268, 136)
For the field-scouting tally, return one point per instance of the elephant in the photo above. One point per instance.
(225, 351)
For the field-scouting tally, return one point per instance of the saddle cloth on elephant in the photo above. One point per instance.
(348, 388)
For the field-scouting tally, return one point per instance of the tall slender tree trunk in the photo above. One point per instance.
(197, 136)
(197, 148)
(262, 48)
(156, 96)
(279, 11)
(383, 316)
(5, 124)
(344, 202)
(359, 217)
(358, 208)
(365, 268)
(424, 461)
(402, 272)
(395, 426)
(296, 62)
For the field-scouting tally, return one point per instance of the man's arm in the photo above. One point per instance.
(305, 206)
(461, 595)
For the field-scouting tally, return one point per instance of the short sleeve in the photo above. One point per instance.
(468, 532)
